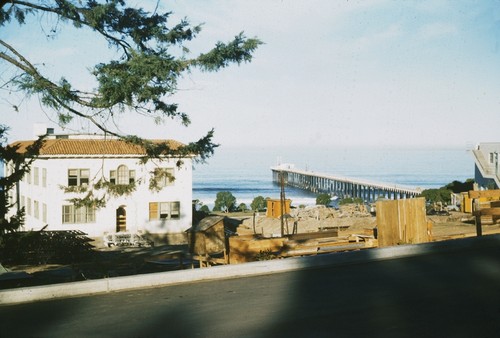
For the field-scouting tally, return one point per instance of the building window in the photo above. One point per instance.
(28, 206)
(44, 212)
(122, 176)
(35, 176)
(36, 209)
(164, 177)
(164, 210)
(28, 177)
(493, 157)
(72, 214)
(44, 177)
(78, 177)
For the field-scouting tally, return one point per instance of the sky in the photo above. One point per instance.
(330, 73)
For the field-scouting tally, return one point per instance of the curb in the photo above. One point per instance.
(102, 286)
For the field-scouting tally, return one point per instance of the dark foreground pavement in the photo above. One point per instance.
(442, 294)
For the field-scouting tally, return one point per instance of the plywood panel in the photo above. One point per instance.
(387, 223)
(402, 221)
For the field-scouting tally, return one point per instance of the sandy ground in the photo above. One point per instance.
(109, 262)
(352, 219)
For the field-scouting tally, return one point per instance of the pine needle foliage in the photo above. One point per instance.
(151, 57)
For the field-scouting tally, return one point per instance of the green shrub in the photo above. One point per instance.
(323, 199)
(350, 200)
(258, 203)
(225, 201)
(43, 247)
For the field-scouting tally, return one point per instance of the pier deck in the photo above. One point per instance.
(341, 186)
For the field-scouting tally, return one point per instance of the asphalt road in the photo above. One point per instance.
(453, 294)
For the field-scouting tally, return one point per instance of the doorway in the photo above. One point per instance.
(121, 219)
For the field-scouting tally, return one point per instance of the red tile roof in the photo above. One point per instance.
(90, 147)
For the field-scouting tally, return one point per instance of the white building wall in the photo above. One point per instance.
(487, 169)
(136, 204)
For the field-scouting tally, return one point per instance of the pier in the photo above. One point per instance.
(342, 187)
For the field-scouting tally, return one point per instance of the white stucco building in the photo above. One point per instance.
(487, 171)
(70, 166)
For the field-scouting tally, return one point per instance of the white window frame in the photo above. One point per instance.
(44, 177)
(36, 177)
(44, 212)
(164, 210)
(36, 209)
(166, 177)
(73, 215)
(122, 175)
(78, 177)
(28, 206)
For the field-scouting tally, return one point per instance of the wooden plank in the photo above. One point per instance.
(420, 230)
(244, 249)
(311, 235)
(208, 259)
(387, 223)
(484, 193)
(402, 221)
(345, 247)
(488, 212)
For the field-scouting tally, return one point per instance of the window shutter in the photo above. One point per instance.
(153, 210)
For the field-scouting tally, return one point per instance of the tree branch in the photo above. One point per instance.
(119, 42)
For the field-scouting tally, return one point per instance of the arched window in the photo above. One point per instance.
(122, 175)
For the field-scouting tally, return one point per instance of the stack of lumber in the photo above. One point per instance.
(248, 248)
(314, 246)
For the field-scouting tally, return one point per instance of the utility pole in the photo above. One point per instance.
(282, 202)
(496, 167)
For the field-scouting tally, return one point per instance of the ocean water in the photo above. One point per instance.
(246, 173)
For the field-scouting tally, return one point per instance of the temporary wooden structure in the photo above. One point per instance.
(275, 209)
(402, 222)
(485, 207)
(207, 241)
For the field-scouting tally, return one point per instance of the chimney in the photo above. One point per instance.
(40, 129)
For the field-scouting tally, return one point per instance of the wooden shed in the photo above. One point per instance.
(274, 207)
(207, 237)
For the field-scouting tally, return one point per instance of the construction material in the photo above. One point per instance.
(402, 222)
(207, 241)
(493, 194)
(276, 207)
(485, 204)
(244, 249)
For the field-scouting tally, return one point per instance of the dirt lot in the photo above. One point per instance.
(120, 261)
(354, 219)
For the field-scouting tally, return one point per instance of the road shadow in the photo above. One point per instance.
(442, 293)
